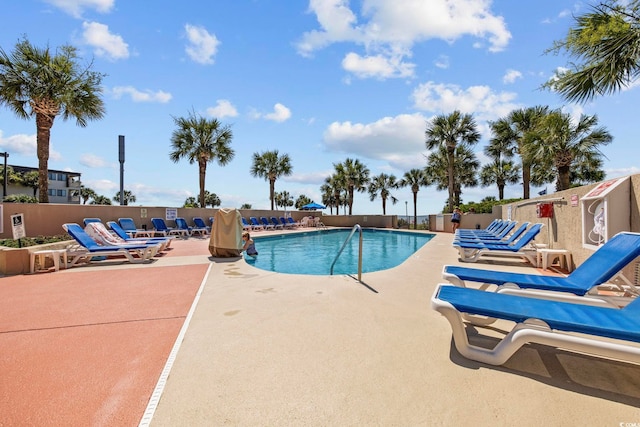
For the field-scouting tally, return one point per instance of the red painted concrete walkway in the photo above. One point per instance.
(85, 347)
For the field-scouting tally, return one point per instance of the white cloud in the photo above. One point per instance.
(93, 161)
(141, 96)
(378, 66)
(105, 44)
(202, 46)
(442, 62)
(24, 145)
(481, 101)
(103, 187)
(76, 7)
(223, 108)
(511, 76)
(280, 114)
(316, 178)
(393, 139)
(20, 144)
(391, 28)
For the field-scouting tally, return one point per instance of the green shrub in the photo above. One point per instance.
(32, 241)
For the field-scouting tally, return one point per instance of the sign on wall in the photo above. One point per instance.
(171, 214)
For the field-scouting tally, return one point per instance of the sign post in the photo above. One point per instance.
(17, 227)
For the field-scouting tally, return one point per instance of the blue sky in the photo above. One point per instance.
(320, 80)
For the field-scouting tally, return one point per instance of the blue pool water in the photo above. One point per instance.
(313, 252)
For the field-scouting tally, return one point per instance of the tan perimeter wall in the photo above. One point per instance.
(47, 219)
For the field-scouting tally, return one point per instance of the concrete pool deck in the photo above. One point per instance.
(267, 349)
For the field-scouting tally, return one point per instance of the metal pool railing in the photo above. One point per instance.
(353, 230)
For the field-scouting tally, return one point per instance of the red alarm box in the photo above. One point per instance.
(544, 210)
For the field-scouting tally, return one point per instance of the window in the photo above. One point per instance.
(62, 193)
(51, 176)
(51, 192)
(61, 177)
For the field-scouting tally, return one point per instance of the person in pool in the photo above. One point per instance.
(248, 244)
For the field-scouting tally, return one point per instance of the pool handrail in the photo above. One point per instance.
(353, 230)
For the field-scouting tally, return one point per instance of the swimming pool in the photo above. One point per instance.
(313, 252)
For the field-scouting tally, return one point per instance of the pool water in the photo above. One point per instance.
(313, 252)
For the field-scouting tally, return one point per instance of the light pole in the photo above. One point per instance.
(406, 212)
(4, 172)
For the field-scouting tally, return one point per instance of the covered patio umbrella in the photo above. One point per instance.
(312, 206)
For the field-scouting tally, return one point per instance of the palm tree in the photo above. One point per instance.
(353, 175)
(13, 177)
(465, 166)
(499, 172)
(415, 178)
(382, 184)
(331, 190)
(201, 141)
(271, 166)
(564, 144)
(284, 199)
(246, 206)
(100, 200)
(191, 202)
(448, 132)
(301, 201)
(211, 199)
(128, 197)
(38, 82)
(513, 134)
(86, 193)
(31, 179)
(605, 44)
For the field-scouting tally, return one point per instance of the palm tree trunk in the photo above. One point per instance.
(564, 179)
(500, 192)
(43, 123)
(272, 191)
(202, 172)
(452, 181)
(526, 179)
(384, 206)
(415, 210)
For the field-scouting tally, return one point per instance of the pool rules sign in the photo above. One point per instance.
(17, 226)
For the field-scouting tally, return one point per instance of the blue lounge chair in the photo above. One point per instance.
(129, 226)
(135, 253)
(182, 226)
(88, 220)
(293, 223)
(500, 231)
(199, 224)
(490, 227)
(266, 224)
(471, 252)
(246, 225)
(164, 242)
(285, 223)
(604, 331)
(603, 265)
(255, 223)
(493, 228)
(160, 227)
(276, 223)
(496, 240)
